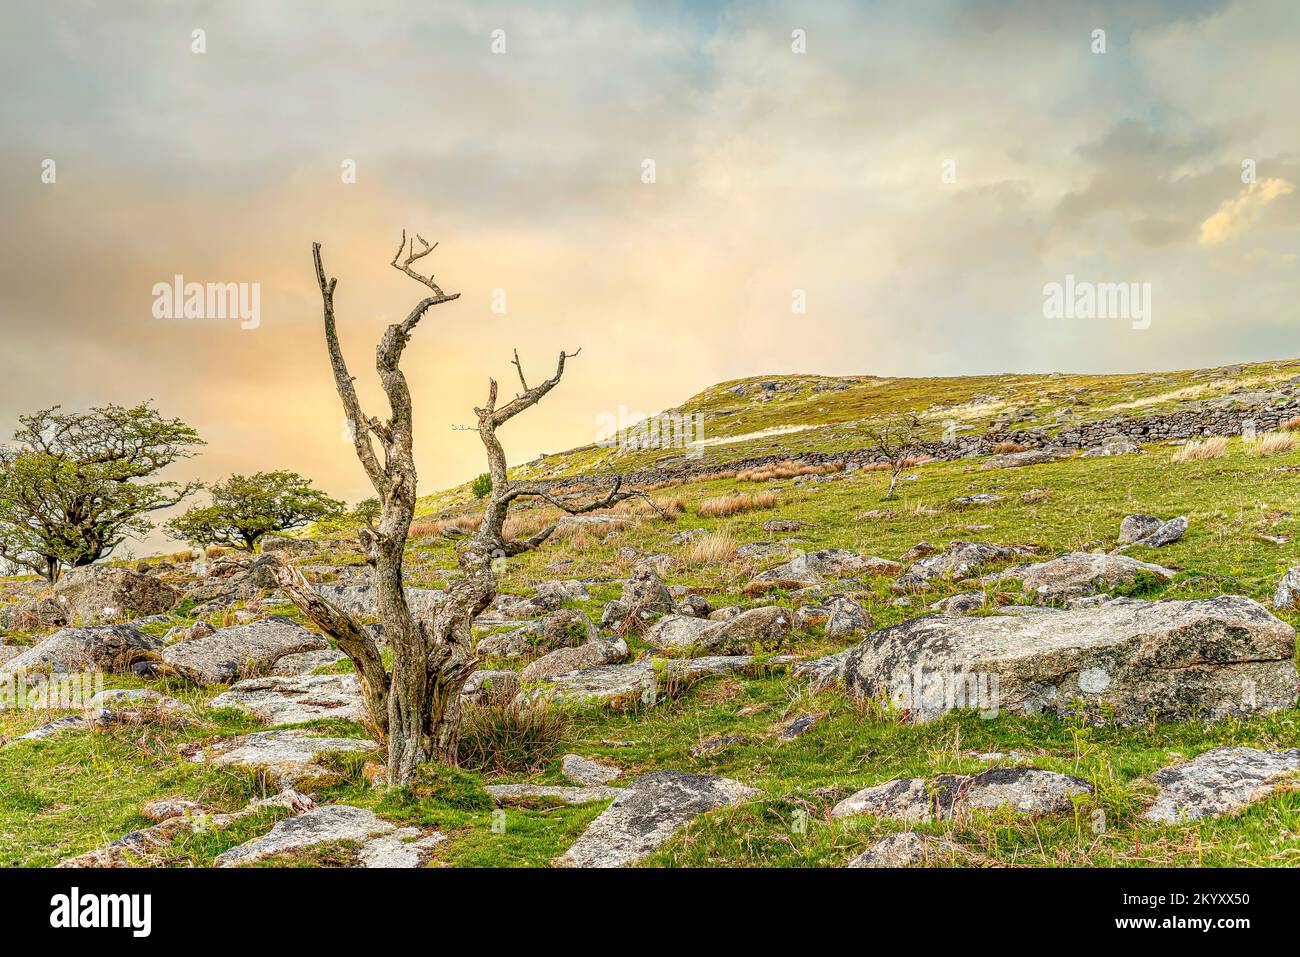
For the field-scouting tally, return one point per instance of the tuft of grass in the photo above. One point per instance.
(711, 549)
(1276, 443)
(518, 736)
(724, 506)
(1213, 448)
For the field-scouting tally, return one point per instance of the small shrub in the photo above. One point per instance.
(1214, 448)
(723, 506)
(516, 737)
(481, 485)
(1276, 443)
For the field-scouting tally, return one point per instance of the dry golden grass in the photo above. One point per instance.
(787, 469)
(1276, 443)
(1004, 447)
(722, 506)
(1290, 425)
(428, 525)
(711, 549)
(910, 462)
(1213, 448)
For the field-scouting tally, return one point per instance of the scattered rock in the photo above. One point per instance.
(1288, 589)
(758, 628)
(566, 660)
(1150, 531)
(1218, 782)
(586, 772)
(232, 653)
(295, 699)
(645, 593)
(956, 561)
(798, 727)
(908, 849)
(962, 604)
(566, 628)
(656, 806)
(506, 793)
(101, 648)
(289, 757)
(104, 593)
(323, 825)
(1082, 573)
(812, 568)
(1012, 460)
(950, 796)
(717, 744)
(307, 662)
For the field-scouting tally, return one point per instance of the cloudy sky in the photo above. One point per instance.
(920, 172)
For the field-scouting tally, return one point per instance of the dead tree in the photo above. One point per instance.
(895, 442)
(415, 706)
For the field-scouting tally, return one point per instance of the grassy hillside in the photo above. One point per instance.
(73, 793)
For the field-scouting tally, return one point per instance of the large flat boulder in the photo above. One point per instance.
(291, 758)
(293, 700)
(381, 842)
(233, 653)
(951, 796)
(1077, 574)
(655, 807)
(101, 648)
(1173, 660)
(104, 593)
(362, 600)
(1218, 782)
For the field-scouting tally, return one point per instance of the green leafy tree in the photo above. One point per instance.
(482, 485)
(246, 507)
(366, 511)
(73, 485)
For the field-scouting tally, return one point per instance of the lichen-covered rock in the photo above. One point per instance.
(566, 628)
(956, 562)
(103, 593)
(487, 686)
(1150, 531)
(362, 599)
(847, 618)
(1288, 589)
(949, 796)
(656, 806)
(587, 772)
(1171, 660)
(291, 758)
(136, 706)
(1218, 782)
(101, 648)
(36, 615)
(746, 633)
(813, 568)
(294, 699)
(565, 660)
(232, 653)
(1083, 573)
(505, 793)
(327, 824)
(962, 604)
(645, 593)
(909, 849)
(307, 662)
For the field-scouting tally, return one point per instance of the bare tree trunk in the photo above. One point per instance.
(416, 706)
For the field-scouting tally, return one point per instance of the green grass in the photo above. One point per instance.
(79, 791)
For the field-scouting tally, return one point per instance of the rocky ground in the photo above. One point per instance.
(1023, 659)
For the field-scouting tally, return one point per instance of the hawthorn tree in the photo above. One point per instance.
(246, 507)
(415, 706)
(73, 484)
(895, 441)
